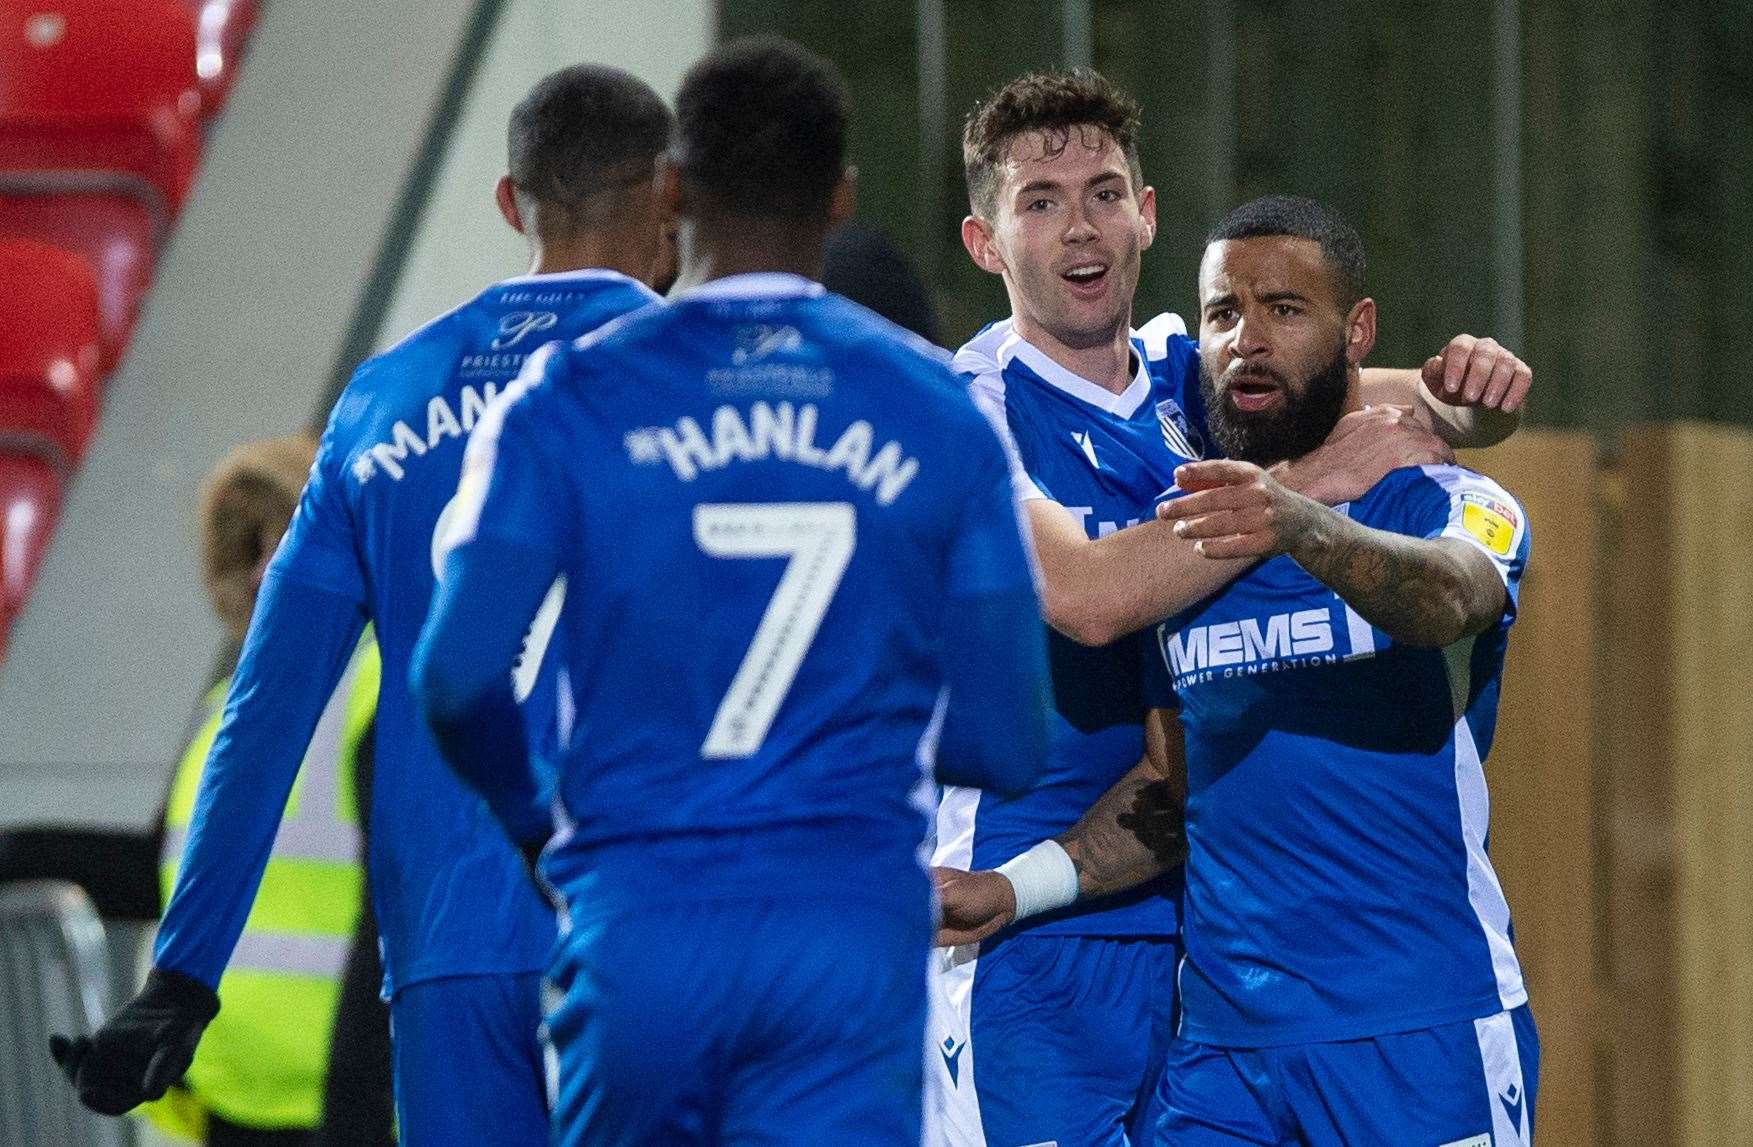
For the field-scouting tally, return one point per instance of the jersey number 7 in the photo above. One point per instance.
(817, 538)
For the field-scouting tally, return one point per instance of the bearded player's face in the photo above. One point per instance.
(1275, 346)
(1069, 229)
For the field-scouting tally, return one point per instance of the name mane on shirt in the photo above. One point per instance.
(778, 430)
(404, 440)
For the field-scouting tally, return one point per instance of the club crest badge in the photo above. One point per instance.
(1179, 434)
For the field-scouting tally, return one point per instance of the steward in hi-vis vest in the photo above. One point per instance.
(261, 1063)
(261, 1066)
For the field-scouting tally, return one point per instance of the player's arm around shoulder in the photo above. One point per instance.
(1420, 590)
(1470, 393)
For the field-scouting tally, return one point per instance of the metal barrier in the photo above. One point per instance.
(55, 976)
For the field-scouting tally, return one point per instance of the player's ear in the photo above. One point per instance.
(1147, 216)
(844, 200)
(505, 194)
(977, 238)
(1360, 331)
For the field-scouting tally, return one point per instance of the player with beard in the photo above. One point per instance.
(1350, 975)
(1098, 416)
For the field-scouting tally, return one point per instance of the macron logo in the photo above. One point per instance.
(1082, 438)
(952, 1059)
(1512, 1100)
(1307, 631)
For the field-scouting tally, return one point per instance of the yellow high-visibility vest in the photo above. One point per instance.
(261, 1062)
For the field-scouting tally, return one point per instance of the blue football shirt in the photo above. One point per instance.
(1338, 885)
(769, 501)
(361, 545)
(1104, 457)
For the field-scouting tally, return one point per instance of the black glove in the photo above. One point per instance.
(146, 1047)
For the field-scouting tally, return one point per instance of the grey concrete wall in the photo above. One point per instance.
(250, 307)
(463, 244)
(253, 302)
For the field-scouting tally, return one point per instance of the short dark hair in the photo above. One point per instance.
(761, 128)
(580, 132)
(1052, 103)
(1301, 219)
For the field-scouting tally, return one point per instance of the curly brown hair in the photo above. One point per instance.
(1053, 104)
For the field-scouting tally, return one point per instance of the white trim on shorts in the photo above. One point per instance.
(1511, 1107)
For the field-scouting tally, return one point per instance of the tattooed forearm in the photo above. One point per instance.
(1417, 591)
(1132, 833)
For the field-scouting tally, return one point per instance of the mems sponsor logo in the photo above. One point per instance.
(1248, 646)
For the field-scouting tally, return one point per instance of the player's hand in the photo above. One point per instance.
(143, 1049)
(1235, 509)
(1362, 448)
(974, 905)
(1478, 372)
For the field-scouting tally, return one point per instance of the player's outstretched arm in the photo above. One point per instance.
(993, 656)
(1418, 591)
(995, 730)
(299, 640)
(1098, 591)
(1471, 393)
(1134, 831)
(461, 676)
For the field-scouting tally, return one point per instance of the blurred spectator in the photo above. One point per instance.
(259, 1077)
(863, 263)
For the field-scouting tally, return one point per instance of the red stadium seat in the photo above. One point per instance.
(100, 93)
(30, 502)
(221, 29)
(49, 348)
(112, 233)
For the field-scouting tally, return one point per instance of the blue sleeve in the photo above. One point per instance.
(1454, 502)
(461, 677)
(987, 554)
(502, 555)
(995, 730)
(299, 642)
(514, 479)
(320, 549)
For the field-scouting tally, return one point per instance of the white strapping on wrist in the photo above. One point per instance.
(1043, 878)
